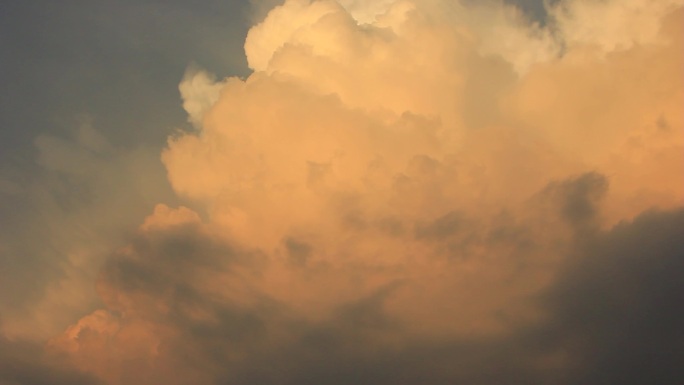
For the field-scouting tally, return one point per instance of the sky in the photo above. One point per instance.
(333, 192)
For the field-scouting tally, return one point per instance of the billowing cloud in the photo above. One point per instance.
(411, 192)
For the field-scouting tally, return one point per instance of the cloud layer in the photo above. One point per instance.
(412, 192)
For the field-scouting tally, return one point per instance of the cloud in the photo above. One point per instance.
(282, 23)
(613, 25)
(25, 363)
(199, 91)
(615, 305)
(182, 309)
(83, 198)
(367, 11)
(405, 198)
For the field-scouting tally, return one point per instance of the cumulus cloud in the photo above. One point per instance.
(184, 306)
(366, 11)
(611, 25)
(397, 195)
(199, 91)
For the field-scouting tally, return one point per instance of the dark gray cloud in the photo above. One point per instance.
(617, 306)
(25, 363)
(577, 201)
(614, 316)
(611, 316)
(535, 10)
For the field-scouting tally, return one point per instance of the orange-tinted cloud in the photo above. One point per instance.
(408, 199)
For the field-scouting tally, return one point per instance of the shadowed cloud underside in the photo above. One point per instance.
(401, 192)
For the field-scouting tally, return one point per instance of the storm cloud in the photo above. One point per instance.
(399, 192)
